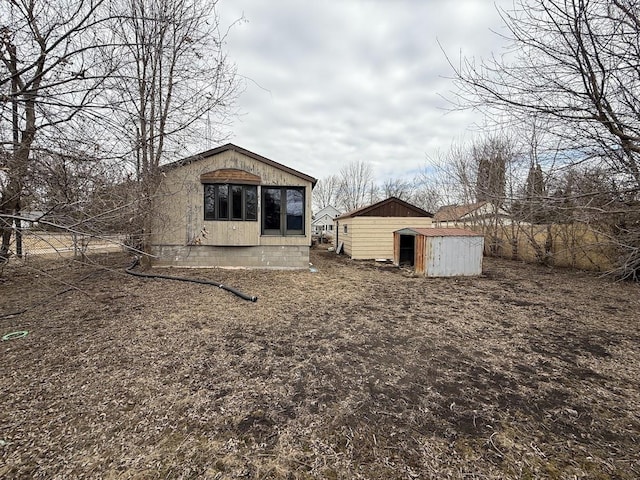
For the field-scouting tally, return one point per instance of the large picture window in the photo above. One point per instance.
(230, 202)
(283, 210)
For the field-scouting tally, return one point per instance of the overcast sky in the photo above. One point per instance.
(331, 82)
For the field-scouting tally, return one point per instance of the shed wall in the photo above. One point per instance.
(372, 237)
(453, 256)
(344, 238)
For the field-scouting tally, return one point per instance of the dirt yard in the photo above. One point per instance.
(357, 371)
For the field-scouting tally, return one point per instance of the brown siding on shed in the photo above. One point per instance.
(419, 251)
(392, 209)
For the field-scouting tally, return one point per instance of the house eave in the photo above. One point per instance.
(231, 147)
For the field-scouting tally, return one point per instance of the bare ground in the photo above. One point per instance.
(357, 371)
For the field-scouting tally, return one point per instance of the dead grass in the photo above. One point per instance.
(357, 371)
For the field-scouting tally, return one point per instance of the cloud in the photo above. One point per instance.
(333, 82)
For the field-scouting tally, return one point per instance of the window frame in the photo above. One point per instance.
(283, 230)
(229, 217)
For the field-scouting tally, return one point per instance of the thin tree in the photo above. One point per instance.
(175, 89)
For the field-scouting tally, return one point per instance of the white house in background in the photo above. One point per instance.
(322, 222)
(30, 219)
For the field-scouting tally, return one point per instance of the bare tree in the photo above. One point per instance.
(573, 65)
(426, 196)
(326, 192)
(452, 174)
(50, 74)
(357, 187)
(399, 188)
(90, 87)
(175, 86)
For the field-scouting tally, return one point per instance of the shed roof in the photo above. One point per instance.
(439, 232)
(390, 207)
(230, 146)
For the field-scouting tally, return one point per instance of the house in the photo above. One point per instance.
(229, 207)
(367, 233)
(467, 214)
(30, 219)
(439, 252)
(322, 222)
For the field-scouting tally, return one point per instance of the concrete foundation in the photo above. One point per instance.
(276, 257)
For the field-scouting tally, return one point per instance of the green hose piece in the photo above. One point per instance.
(14, 335)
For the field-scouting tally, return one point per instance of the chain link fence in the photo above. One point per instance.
(38, 243)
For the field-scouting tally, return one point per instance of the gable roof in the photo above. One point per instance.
(328, 210)
(329, 213)
(390, 207)
(230, 146)
(456, 212)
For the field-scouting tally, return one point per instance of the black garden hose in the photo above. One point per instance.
(135, 263)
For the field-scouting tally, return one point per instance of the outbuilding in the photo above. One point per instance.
(367, 233)
(439, 252)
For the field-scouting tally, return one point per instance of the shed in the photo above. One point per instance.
(367, 233)
(439, 252)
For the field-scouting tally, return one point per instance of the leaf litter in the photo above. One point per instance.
(358, 370)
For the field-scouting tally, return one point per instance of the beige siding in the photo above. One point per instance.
(344, 238)
(372, 237)
(179, 215)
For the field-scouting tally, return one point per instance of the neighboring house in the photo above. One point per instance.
(467, 215)
(322, 222)
(229, 207)
(367, 233)
(30, 219)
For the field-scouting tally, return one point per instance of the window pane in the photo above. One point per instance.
(236, 202)
(223, 202)
(271, 209)
(295, 210)
(251, 203)
(209, 202)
